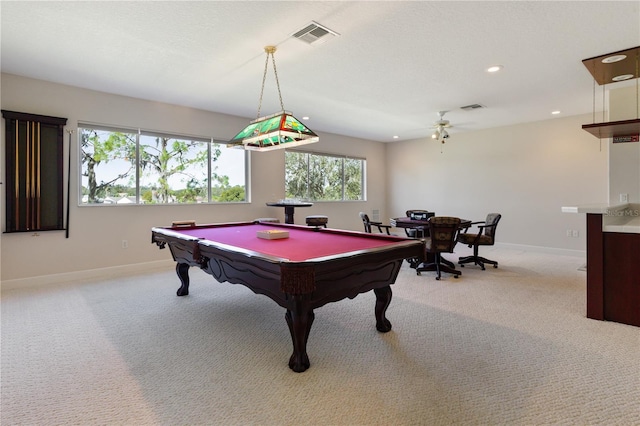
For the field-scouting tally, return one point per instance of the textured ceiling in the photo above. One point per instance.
(394, 65)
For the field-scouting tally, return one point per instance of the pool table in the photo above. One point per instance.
(310, 268)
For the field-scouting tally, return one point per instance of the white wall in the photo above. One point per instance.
(96, 233)
(525, 172)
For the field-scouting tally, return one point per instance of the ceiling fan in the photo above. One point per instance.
(440, 127)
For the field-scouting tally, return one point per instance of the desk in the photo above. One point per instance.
(289, 208)
(311, 268)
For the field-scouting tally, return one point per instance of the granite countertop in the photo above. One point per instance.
(601, 208)
(624, 217)
(626, 224)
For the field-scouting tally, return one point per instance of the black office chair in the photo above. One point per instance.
(485, 236)
(369, 224)
(443, 233)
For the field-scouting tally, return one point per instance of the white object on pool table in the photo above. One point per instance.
(273, 234)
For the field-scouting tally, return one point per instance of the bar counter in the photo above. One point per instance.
(613, 261)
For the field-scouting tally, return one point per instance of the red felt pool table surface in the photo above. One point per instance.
(303, 243)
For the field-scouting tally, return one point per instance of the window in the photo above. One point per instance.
(123, 166)
(320, 177)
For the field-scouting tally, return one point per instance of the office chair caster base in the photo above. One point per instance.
(477, 260)
(414, 262)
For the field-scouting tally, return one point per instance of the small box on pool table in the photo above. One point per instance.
(273, 234)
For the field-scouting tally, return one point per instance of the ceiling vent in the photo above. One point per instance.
(472, 107)
(314, 33)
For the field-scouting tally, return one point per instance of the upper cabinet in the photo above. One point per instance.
(612, 68)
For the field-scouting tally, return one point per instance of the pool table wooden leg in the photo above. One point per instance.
(299, 321)
(182, 269)
(383, 299)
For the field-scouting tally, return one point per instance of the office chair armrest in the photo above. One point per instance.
(379, 225)
(481, 227)
(386, 228)
(466, 229)
(480, 233)
(477, 234)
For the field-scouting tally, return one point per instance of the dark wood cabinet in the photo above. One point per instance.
(34, 172)
(622, 277)
(613, 274)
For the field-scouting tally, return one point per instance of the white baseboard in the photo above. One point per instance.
(90, 274)
(540, 249)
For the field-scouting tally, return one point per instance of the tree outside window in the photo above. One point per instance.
(124, 167)
(320, 177)
(173, 170)
(108, 165)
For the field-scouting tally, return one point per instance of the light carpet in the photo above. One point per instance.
(505, 346)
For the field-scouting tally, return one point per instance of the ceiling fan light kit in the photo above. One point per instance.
(440, 125)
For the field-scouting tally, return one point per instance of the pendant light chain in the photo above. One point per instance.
(593, 119)
(270, 51)
(637, 89)
(275, 72)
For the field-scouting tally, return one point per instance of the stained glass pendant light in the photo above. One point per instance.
(275, 131)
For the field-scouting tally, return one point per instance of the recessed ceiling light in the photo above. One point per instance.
(614, 58)
(305, 118)
(396, 137)
(622, 77)
(555, 112)
(495, 68)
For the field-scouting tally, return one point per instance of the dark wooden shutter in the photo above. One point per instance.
(35, 171)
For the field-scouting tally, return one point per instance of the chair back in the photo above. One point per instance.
(443, 231)
(491, 223)
(419, 214)
(366, 222)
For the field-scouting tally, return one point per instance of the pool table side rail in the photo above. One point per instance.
(323, 281)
